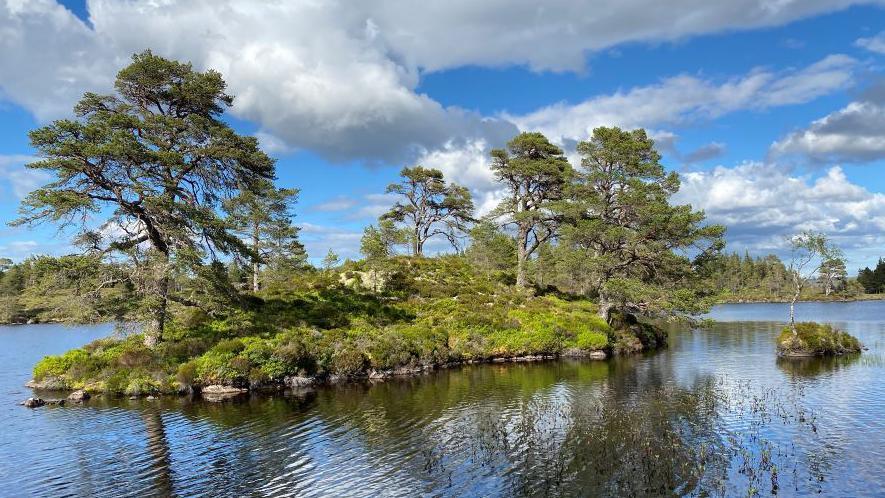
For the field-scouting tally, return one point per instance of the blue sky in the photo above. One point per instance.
(771, 111)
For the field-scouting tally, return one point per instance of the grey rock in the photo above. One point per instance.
(49, 383)
(299, 381)
(33, 402)
(583, 353)
(217, 392)
(78, 396)
(222, 389)
(378, 374)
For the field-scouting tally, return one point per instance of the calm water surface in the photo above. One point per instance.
(715, 414)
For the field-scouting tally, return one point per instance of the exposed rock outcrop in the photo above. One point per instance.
(295, 381)
(218, 392)
(79, 396)
(33, 403)
(49, 383)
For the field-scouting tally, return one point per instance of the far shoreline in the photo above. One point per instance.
(863, 297)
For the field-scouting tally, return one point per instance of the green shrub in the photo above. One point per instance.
(591, 340)
(117, 381)
(816, 339)
(433, 310)
(468, 343)
(229, 346)
(570, 324)
(290, 356)
(348, 360)
(140, 383)
(624, 342)
(388, 348)
(134, 355)
(214, 368)
(187, 374)
(521, 342)
(258, 376)
(182, 350)
(56, 366)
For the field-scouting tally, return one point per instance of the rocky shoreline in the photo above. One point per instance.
(222, 392)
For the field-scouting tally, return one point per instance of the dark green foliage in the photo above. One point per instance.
(158, 157)
(114, 365)
(440, 310)
(744, 278)
(634, 243)
(381, 242)
(535, 173)
(815, 339)
(331, 260)
(263, 216)
(633, 336)
(64, 289)
(491, 250)
(873, 281)
(832, 274)
(428, 207)
(749, 278)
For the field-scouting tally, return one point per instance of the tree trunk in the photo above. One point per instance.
(521, 255)
(418, 244)
(255, 263)
(793, 306)
(153, 333)
(605, 308)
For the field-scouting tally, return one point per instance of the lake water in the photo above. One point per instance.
(715, 414)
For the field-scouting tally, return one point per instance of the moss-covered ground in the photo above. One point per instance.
(431, 312)
(815, 339)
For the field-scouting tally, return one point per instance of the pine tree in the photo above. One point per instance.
(428, 207)
(535, 174)
(158, 157)
(621, 214)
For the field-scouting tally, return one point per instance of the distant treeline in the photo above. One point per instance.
(60, 289)
(746, 278)
(85, 288)
(873, 281)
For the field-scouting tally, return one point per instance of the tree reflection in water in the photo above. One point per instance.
(574, 428)
(158, 447)
(815, 366)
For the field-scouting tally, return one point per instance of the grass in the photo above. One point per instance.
(434, 312)
(814, 339)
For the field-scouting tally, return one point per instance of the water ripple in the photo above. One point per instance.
(716, 412)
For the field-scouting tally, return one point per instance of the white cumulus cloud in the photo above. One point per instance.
(685, 98)
(761, 204)
(341, 78)
(20, 180)
(873, 43)
(851, 134)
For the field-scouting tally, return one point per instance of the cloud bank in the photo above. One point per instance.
(340, 78)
